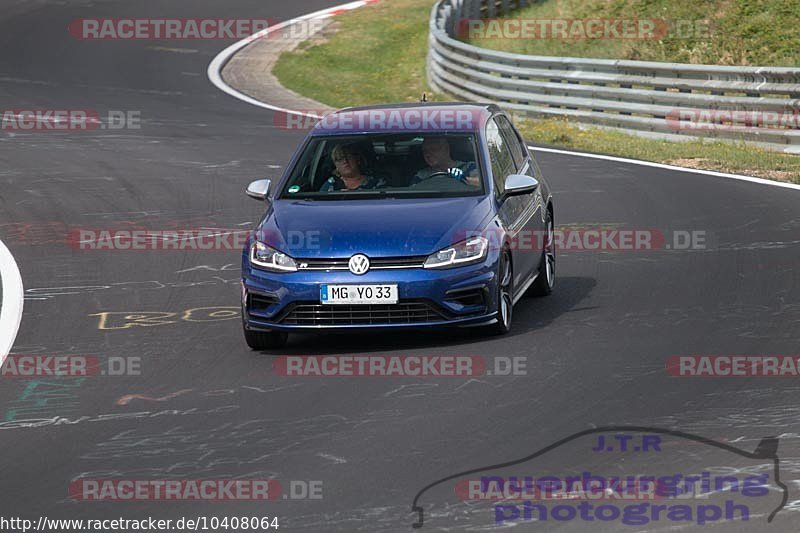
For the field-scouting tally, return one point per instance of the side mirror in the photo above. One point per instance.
(520, 184)
(259, 189)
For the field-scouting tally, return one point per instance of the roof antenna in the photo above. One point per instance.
(424, 98)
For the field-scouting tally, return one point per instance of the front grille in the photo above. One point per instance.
(317, 314)
(378, 263)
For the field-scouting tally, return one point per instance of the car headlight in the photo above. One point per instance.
(271, 259)
(468, 251)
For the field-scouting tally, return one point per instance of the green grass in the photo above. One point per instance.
(731, 32)
(377, 55)
(701, 154)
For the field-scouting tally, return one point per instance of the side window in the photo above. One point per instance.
(513, 141)
(499, 156)
(533, 168)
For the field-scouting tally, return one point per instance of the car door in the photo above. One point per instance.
(535, 217)
(516, 213)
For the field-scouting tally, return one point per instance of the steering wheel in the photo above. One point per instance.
(442, 180)
(439, 173)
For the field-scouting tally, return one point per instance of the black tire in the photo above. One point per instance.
(546, 279)
(265, 340)
(505, 296)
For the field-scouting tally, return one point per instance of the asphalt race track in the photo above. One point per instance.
(205, 406)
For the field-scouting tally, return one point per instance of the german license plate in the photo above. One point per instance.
(358, 294)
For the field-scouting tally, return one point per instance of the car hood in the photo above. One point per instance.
(387, 227)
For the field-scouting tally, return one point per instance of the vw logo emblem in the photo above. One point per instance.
(358, 264)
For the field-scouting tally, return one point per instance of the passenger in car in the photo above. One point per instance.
(436, 152)
(349, 175)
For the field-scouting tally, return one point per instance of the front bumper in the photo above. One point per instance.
(461, 296)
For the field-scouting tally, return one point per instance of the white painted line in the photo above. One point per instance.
(13, 300)
(218, 63)
(214, 70)
(751, 179)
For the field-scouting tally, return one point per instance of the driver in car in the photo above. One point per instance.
(436, 152)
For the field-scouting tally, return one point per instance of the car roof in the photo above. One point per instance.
(409, 117)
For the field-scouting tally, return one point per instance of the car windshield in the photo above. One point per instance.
(386, 165)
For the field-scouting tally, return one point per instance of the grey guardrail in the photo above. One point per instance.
(666, 100)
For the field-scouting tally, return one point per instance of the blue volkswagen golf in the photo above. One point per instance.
(401, 216)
